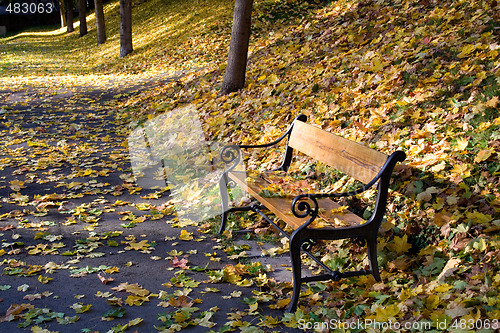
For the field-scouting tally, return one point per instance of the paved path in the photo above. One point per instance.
(70, 212)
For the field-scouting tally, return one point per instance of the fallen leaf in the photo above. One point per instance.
(182, 263)
(185, 235)
(104, 280)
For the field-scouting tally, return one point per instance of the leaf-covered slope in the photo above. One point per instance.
(421, 76)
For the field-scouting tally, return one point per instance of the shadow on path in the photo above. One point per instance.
(71, 216)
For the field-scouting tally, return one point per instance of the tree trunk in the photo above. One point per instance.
(82, 14)
(69, 16)
(125, 27)
(234, 77)
(99, 18)
(62, 12)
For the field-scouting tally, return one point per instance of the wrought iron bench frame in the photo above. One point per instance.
(306, 206)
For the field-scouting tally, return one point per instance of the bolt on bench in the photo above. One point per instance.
(300, 212)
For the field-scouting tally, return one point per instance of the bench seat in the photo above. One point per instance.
(281, 206)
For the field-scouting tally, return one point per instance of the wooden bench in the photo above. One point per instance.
(300, 212)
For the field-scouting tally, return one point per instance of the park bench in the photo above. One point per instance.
(300, 212)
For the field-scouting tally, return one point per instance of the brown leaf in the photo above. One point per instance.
(32, 297)
(9, 227)
(104, 280)
(450, 267)
(14, 310)
(135, 289)
(459, 242)
(181, 302)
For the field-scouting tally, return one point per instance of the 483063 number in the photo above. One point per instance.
(29, 8)
(472, 324)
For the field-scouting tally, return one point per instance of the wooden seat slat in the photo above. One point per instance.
(349, 157)
(281, 207)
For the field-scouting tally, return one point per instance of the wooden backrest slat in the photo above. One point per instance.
(349, 157)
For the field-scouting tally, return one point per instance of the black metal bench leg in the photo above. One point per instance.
(224, 196)
(372, 256)
(297, 272)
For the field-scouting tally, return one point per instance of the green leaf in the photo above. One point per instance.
(115, 313)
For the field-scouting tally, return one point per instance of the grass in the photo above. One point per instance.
(167, 34)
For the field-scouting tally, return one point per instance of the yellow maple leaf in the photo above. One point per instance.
(341, 210)
(140, 219)
(466, 50)
(461, 170)
(185, 235)
(80, 307)
(443, 288)
(142, 245)
(432, 302)
(377, 65)
(462, 143)
(136, 300)
(400, 245)
(112, 270)
(280, 304)
(406, 294)
(492, 103)
(19, 197)
(143, 206)
(135, 321)
(73, 185)
(43, 279)
(483, 126)
(244, 283)
(180, 316)
(483, 155)
(387, 313)
(134, 288)
(272, 79)
(16, 185)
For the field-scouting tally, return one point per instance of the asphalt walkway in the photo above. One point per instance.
(84, 249)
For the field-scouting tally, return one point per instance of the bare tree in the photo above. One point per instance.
(69, 16)
(99, 18)
(125, 27)
(82, 14)
(234, 77)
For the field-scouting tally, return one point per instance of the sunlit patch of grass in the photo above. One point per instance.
(167, 34)
(51, 32)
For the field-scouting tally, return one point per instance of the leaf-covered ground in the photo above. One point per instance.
(421, 76)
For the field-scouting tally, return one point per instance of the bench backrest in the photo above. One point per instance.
(349, 157)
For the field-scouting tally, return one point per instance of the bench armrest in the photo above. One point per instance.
(231, 153)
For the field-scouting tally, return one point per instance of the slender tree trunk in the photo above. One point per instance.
(82, 14)
(234, 77)
(125, 27)
(62, 12)
(99, 17)
(69, 16)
